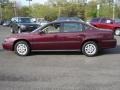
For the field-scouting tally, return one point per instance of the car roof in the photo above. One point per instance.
(65, 22)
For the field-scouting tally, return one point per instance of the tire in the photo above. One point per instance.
(90, 49)
(22, 48)
(117, 32)
(12, 31)
(19, 30)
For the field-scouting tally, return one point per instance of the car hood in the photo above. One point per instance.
(21, 35)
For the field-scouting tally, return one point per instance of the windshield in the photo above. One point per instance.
(25, 20)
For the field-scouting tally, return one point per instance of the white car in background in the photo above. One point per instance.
(40, 21)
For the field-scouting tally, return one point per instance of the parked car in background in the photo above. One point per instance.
(106, 23)
(40, 21)
(117, 20)
(1, 21)
(7, 23)
(62, 36)
(22, 24)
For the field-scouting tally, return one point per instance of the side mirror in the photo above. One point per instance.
(41, 32)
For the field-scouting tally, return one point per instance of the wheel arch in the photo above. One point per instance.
(116, 28)
(20, 40)
(94, 40)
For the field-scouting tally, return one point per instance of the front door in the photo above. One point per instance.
(48, 39)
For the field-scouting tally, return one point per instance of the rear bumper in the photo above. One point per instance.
(105, 44)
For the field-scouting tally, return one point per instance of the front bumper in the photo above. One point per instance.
(105, 44)
(7, 46)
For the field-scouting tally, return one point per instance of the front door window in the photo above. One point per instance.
(52, 28)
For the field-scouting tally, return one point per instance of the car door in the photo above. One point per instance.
(47, 39)
(71, 36)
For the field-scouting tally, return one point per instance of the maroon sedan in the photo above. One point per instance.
(61, 36)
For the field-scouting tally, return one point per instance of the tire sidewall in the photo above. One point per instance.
(84, 45)
(19, 30)
(12, 31)
(26, 44)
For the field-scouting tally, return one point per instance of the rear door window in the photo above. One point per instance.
(72, 27)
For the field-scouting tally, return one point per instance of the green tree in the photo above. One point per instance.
(73, 10)
(24, 11)
(7, 11)
(44, 11)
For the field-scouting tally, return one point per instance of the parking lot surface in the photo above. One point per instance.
(59, 70)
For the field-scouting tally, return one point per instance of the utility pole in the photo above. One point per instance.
(13, 2)
(1, 12)
(14, 8)
(98, 10)
(29, 2)
(59, 14)
(113, 9)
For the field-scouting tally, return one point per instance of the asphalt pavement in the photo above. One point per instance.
(59, 70)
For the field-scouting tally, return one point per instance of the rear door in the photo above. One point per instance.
(71, 36)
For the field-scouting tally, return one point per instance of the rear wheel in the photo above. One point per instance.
(117, 31)
(90, 48)
(22, 48)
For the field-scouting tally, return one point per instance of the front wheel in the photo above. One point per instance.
(12, 31)
(117, 32)
(19, 30)
(90, 48)
(22, 48)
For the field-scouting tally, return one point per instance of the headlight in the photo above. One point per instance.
(22, 26)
